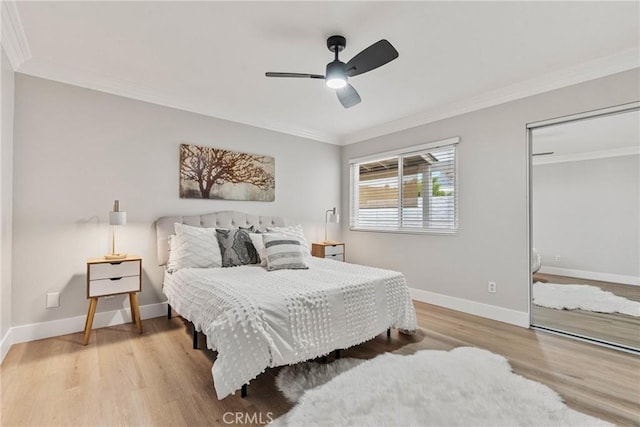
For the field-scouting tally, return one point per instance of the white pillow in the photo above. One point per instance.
(258, 243)
(193, 247)
(297, 232)
(284, 252)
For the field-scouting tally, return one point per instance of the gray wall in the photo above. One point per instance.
(587, 212)
(77, 150)
(6, 193)
(493, 195)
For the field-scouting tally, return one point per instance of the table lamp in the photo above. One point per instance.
(330, 216)
(116, 217)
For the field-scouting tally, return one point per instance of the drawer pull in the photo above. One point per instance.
(115, 278)
(116, 263)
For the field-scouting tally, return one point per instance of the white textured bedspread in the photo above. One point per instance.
(257, 319)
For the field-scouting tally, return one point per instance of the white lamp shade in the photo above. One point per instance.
(117, 218)
(333, 218)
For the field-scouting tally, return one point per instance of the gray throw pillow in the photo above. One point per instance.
(284, 252)
(236, 248)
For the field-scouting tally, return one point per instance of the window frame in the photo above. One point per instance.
(400, 154)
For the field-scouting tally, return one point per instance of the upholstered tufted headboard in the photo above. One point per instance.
(223, 219)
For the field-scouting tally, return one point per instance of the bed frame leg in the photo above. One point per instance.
(389, 333)
(168, 311)
(243, 391)
(337, 354)
(195, 338)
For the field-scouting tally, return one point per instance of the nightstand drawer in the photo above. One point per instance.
(114, 286)
(337, 257)
(333, 250)
(116, 269)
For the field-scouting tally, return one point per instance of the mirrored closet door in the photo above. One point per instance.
(585, 225)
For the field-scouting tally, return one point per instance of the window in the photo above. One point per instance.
(410, 190)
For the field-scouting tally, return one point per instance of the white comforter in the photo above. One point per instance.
(257, 319)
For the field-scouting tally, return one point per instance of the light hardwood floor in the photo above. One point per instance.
(122, 378)
(610, 327)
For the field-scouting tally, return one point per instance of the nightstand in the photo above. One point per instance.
(113, 277)
(328, 250)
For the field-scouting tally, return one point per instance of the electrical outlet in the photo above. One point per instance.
(558, 258)
(53, 299)
(492, 287)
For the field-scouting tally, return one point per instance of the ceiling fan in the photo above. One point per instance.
(337, 72)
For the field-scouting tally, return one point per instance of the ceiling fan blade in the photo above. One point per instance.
(297, 75)
(348, 96)
(546, 153)
(371, 58)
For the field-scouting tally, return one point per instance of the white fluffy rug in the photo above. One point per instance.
(583, 297)
(462, 387)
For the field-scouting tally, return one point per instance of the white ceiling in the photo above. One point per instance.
(210, 57)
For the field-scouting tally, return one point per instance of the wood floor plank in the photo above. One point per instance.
(123, 378)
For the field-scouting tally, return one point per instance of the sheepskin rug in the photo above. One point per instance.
(462, 387)
(582, 297)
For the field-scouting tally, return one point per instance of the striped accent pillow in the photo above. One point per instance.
(297, 232)
(283, 251)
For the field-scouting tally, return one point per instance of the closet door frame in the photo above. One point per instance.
(617, 109)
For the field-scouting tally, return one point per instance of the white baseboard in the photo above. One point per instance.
(54, 328)
(493, 312)
(6, 343)
(591, 275)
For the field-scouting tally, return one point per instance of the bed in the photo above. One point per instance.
(256, 319)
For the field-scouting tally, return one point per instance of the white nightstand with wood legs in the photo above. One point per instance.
(328, 250)
(113, 277)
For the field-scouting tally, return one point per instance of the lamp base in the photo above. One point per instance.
(115, 256)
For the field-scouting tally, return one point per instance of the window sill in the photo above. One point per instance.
(452, 233)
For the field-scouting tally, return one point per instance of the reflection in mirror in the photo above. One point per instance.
(585, 231)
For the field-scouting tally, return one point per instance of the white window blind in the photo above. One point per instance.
(412, 190)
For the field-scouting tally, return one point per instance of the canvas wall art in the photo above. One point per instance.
(214, 173)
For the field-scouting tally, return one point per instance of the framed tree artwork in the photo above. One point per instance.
(214, 173)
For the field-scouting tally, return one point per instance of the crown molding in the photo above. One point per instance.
(591, 155)
(14, 40)
(601, 67)
(93, 80)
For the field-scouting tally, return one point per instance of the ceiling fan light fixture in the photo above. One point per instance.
(336, 83)
(336, 76)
